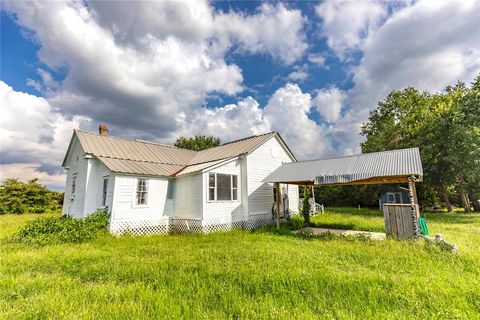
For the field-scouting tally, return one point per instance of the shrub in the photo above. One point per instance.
(296, 222)
(306, 206)
(306, 233)
(62, 229)
(31, 197)
(98, 219)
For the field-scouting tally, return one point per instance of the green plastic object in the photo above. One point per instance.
(422, 222)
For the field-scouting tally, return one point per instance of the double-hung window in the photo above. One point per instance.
(142, 192)
(104, 191)
(222, 187)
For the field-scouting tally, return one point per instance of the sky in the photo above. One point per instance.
(160, 70)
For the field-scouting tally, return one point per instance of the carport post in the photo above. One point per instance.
(277, 195)
(412, 192)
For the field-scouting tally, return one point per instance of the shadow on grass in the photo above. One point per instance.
(452, 218)
(355, 211)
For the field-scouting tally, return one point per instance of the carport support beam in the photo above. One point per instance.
(277, 196)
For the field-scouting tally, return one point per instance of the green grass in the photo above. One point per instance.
(9, 223)
(240, 274)
(350, 219)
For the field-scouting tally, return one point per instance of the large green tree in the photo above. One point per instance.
(445, 126)
(197, 143)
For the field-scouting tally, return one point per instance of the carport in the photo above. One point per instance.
(394, 166)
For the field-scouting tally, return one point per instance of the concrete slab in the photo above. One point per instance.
(372, 235)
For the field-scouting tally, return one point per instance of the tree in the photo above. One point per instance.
(31, 197)
(197, 143)
(446, 128)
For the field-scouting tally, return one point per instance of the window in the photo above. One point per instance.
(170, 189)
(74, 183)
(104, 191)
(394, 197)
(234, 187)
(222, 187)
(142, 191)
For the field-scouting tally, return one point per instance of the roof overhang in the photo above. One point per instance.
(394, 166)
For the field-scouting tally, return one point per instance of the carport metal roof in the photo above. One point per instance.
(394, 166)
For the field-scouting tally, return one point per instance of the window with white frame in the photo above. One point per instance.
(142, 192)
(104, 191)
(222, 187)
(74, 183)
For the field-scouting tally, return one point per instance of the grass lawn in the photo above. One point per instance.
(241, 274)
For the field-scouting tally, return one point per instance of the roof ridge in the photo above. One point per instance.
(136, 140)
(352, 155)
(246, 138)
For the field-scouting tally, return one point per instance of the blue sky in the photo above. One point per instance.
(158, 70)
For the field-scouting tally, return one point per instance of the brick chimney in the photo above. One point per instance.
(103, 130)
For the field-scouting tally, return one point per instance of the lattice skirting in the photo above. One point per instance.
(140, 227)
(180, 225)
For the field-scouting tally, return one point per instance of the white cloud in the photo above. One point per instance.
(135, 22)
(28, 171)
(329, 103)
(32, 135)
(286, 112)
(346, 23)
(230, 122)
(273, 29)
(300, 73)
(139, 64)
(318, 59)
(427, 44)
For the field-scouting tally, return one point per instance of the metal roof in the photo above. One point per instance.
(150, 158)
(139, 167)
(199, 167)
(393, 163)
(231, 149)
(136, 150)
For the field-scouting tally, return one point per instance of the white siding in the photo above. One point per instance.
(73, 204)
(188, 197)
(261, 162)
(223, 208)
(124, 206)
(96, 172)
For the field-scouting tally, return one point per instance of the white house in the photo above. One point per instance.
(153, 188)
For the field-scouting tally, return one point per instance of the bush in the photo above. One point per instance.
(99, 219)
(31, 197)
(306, 206)
(62, 229)
(296, 222)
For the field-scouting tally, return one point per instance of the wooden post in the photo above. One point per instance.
(314, 203)
(413, 206)
(415, 198)
(277, 193)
